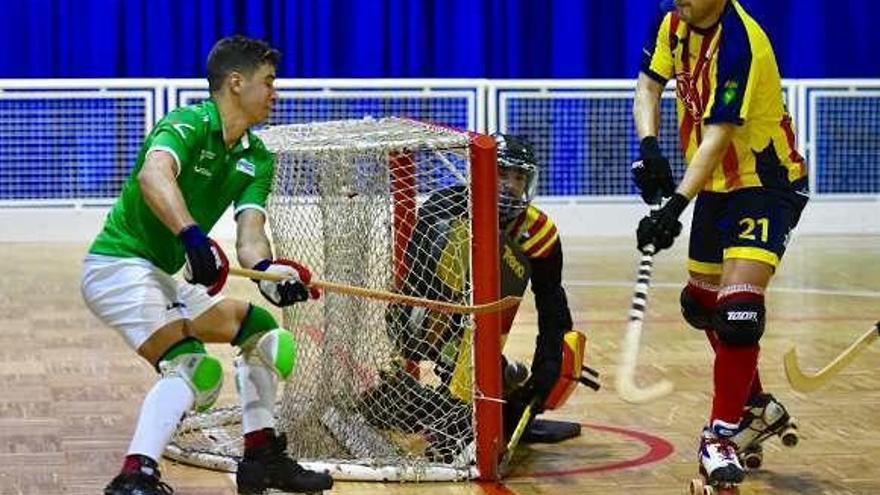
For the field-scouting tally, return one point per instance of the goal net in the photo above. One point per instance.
(382, 390)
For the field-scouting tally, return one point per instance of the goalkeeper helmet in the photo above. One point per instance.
(517, 175)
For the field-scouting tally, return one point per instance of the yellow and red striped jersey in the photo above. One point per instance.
(728, 74)
(534, 231)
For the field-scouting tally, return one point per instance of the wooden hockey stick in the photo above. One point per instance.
(807, 383)
(629, 353)
(517, 434)
(353, 290)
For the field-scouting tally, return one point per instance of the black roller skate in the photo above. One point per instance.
(269, 467)
(143, 482)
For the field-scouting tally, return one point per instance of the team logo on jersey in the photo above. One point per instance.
(180, 127)
(246, 167)
(730, 90)
(206, 155)
(514, 264)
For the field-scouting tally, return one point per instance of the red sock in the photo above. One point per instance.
(707, 295)
(134, 463)
(757, 388)
(735, 371)
(258, 438)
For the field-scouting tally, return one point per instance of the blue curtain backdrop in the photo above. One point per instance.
(405, 38)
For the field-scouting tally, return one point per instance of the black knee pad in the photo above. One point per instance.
(694, 312)
(740, 322)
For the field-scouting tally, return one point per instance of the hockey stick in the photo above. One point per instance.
(807, 383)
(353, 290)
(517, 434)
(629, 353)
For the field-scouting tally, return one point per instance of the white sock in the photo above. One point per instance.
(161, 412)
(257, 386)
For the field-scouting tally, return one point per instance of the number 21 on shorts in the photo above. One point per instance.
(749, 225)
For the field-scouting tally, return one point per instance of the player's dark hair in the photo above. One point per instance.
(238, 54)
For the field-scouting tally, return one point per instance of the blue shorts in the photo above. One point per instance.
(753, 223)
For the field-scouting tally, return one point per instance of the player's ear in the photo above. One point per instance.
(235, 82)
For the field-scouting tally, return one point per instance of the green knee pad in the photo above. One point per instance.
(257, 321)
(260, 336)
(277, 350)
(202, 372)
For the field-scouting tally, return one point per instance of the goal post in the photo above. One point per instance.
(382, 391)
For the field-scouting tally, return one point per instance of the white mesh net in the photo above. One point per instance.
(382, 204)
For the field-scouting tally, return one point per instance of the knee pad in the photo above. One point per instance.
(202, 372)
(256, 322)
(275, 349)
(695, 311)
(739, 321)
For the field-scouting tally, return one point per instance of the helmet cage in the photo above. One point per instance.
(515, 154)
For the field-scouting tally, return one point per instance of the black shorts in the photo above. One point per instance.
(752, 223)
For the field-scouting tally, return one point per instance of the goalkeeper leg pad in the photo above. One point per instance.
(573, 370)
(202, 372)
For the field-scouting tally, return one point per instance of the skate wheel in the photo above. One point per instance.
(753, 460)
(789, 437)
(697, 487)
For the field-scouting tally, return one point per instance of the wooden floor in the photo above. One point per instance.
(70, 389)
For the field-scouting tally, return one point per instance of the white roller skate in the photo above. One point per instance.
(763, 417)
(720, 470)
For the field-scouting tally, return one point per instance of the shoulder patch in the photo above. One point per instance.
(246, 167)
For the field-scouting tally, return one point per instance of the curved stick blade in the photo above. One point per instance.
(796, 378)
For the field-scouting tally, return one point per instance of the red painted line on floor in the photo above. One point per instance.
(495, 488)
(658, 449)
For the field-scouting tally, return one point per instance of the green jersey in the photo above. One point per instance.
(210, 176)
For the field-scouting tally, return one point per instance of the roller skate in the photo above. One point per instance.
(763, 418)
(720, 471)
(144, 481)
(270, 467)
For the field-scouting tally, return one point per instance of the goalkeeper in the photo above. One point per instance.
(436, 255)
(195, 163)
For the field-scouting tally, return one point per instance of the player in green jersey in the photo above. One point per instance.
(194, 164)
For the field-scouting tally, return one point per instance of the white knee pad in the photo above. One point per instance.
(202, 372)
(277, 350)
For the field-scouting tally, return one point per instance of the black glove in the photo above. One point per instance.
(652, 173)
(291, 290)
(206, 263)
(661, 227)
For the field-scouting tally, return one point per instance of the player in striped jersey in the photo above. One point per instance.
(750, 185)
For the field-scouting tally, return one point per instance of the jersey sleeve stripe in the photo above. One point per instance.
(543, 248)
(252, 206)
(169, 151)
(539, 235)
(537, 225)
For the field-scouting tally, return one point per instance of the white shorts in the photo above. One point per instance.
(135, 298)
